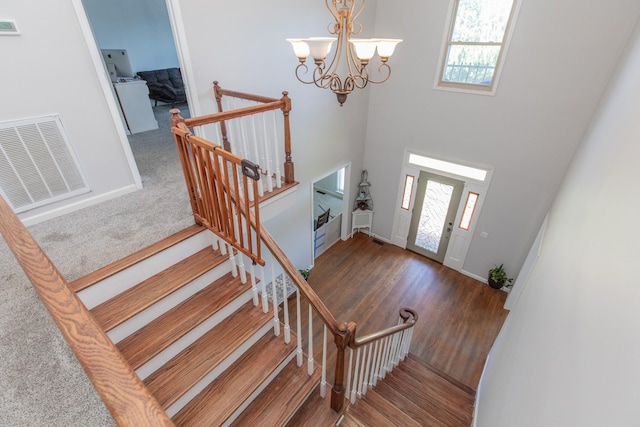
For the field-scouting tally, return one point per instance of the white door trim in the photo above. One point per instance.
(107, 89)
(460, 239)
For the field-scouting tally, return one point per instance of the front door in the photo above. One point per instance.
(437, 201)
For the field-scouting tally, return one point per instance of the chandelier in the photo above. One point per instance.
(355, 53)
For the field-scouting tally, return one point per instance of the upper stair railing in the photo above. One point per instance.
(216, 199)
(248, 126)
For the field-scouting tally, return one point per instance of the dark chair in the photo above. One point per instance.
(323, 218)
(165, 85)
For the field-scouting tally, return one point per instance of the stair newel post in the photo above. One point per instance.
(288, 165)
(342, 338)
(223, 126)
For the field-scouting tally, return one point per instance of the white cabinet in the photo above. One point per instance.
(361, 219)
(133, 97)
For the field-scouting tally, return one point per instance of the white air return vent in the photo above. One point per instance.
(37, 163)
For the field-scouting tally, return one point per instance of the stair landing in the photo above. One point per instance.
(414, 394)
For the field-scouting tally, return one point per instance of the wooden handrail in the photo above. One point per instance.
(124, 395)
(343, 332)
(405, 313)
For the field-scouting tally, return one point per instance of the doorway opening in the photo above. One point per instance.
(436, 205)
(457, 189)
(139, 31)
(329, 199)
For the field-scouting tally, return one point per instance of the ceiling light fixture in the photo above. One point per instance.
(357, 52)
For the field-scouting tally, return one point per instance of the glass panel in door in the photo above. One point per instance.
(437, 201)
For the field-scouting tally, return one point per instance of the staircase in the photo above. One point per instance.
(187, 325)
(414, 394)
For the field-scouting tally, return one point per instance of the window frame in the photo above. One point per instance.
(446, 42)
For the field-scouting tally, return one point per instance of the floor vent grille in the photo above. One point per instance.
(37, 163)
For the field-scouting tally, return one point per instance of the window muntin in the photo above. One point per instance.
(475, 43)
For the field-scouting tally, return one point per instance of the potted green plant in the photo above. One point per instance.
(499, 278)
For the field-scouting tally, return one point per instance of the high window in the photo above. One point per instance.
(475, 44)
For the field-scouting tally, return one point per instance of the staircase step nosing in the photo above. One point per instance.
(183, 400)
(149, 314)
(258, 390)
(132, 275)
(189, 338)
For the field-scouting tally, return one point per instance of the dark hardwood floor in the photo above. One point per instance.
(366, 282)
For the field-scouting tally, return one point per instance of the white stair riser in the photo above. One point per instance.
(159, 308)
(211, 376)
(168, 353)
(130, 277)
(259, 390)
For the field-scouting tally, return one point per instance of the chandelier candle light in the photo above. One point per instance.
(357, 52)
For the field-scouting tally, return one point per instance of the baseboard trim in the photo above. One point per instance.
(62, 210)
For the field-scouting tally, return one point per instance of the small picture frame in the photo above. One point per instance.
(8, 27)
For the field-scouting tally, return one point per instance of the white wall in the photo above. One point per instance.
(48, 70)
(569, 354)
(140, 26)
(247, 51)
(560, 58)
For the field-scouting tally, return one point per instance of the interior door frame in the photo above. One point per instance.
(416, 215)
(460, 239)
(346, 218)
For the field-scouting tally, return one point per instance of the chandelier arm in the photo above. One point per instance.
(387, 70)
(354, 17)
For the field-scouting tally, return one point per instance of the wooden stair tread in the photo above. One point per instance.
(412, 359)
(139, 347)
(220, 399)
(117, 266)
(282, 397)
(316, 411)
(350, 421)
(178, 375)
(373, 410)
(427, 397)
(125, 305)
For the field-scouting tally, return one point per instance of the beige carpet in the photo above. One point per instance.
(41, 382)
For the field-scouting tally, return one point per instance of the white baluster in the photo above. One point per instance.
(254, 288)
(274, 299)
(268, 166)
(385, 357)
(298, 329)
(396, 346)
(275, 149)
(349, 372)
(285, 308)
(232, 261)
(367, 381)
(362, 380)
(241, 267)
(265, 299)
(354, 388)
(323, 383)
(375, 364)
(223, 247)
(214, 242)
(257, 152)
(310, 350)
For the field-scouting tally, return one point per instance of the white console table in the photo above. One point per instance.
(133, 97)
(361, 219)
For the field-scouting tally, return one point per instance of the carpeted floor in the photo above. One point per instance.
(41, 382)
